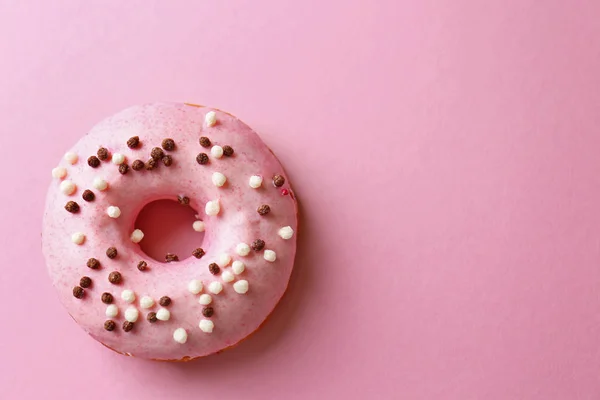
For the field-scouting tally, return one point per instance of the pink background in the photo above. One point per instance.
(446, 154)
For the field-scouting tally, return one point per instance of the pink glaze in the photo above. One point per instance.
(235, 315)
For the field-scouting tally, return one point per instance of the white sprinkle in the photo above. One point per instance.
(238, 267)
(242, 249)
(180, 335)
(216, 151)
(210, 118)
(255, 181)
(241, 287)
(195, 286)
(118, 158)
(206, 325)
(128, 295)
(227, 276)
(215, 287)
(163, 314)
(100, 184)
(218, 179)
(205, 299)
(112, 311)
(270, 255)
(132, 314)
(71, 157)
(224, 260)
(113, 211)
(198, 226)
(137, 236)
(286, 232)
(78, 238)
(146, 302)
(68, 187)
(59, 172)
(212, 207)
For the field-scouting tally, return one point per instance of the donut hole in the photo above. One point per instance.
(167, 227)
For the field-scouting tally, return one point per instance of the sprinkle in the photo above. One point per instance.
(241, 287)
(198, 226)
(107, 298)
(204, 141)
(123, 169)
(137, 165)
(102, 153)
(167, 160)
(210, 118)
(208, 312)
(258, 245)
(270, 255)
(133, 142)
(88, 195)
(216, 151)
(157, 153)
(118, 158)
(195, 286)
(151, 317)
(146, 302)
(137, 236)
(224, 260)
(93, 263)
(78, 292)
(183, 200)
(111, 311)
(67, 187)
(72, 207)
(128, 296)
(198, 253)
(168, 144)
(111, 252)
(113, 211)
(202, 158)
(151, 164)
(238, 267)
(242, 249)
(78, 238)
(93, 162)
(142, 265)
(165, 301)
(205, 299)
(284, 192)
(206, 325)
(278, 180)
(215, 287)
(227, 276)
(163, 314)
(170, 257)
(255, 181)
(132, 314)
(127, 326)
(100, 184)
(180, 335)
(286, 232)
(264, 209)
(110, 325)
(71, 157)
(227, 151)
(214, 268)
(218, 179)
(212, 208)
(115, 277)
(59, 172)
(85, 282)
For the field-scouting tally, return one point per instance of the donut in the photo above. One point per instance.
(184, 306)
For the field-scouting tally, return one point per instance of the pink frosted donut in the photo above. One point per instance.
(187, 305)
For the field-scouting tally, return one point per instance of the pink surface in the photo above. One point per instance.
(445, 154)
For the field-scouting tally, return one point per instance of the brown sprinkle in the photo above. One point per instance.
(183, 200)
(78, 292)
(151, 164)
(123, 169)
(107, 298)
(115, 277)
(93, 162)
(258, 245)
(110, 325)
(214, 268)
(198, 253)
(92, 263)
(127, 326)
(264, 209)
(102, 154)
(142, 265)
(72, 207)
(227, 151)
(157, 153)
(208, 311)
(111, 252)
(133, 142)
(278, 180)
(168, 144)
(204, 141)
(85, 282)
(137, 165)
(151, 317)
(202, 158)
(170, 257)
(167, 160)
(88, 195)
(165, 301)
